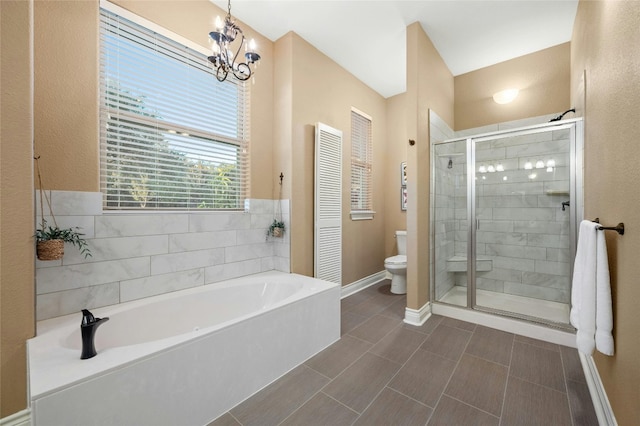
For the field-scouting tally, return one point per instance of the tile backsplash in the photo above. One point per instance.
(142, 254)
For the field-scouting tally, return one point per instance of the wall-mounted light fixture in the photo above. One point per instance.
(505, 96)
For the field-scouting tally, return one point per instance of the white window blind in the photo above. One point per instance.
(361, 159)
(171, 135)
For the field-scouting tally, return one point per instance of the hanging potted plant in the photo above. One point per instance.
(50, 239)
(276, 229)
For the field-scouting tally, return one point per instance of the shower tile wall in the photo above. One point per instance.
(442, 203)
(522, 230)
(141, 254)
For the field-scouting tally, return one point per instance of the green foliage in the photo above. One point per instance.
(68, 235)
(175, 179)
(275, 224)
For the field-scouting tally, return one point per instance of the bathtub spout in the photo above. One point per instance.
(88, 328)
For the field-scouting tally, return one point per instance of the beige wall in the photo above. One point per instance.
(430, 85)
(542, 78)
(16, 203)
(395, 218)
(283, 113)
(321, 91)
(605, 43)
(66, 89)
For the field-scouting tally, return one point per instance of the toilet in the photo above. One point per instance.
(397, 265)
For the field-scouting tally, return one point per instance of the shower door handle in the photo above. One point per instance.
(477, 224)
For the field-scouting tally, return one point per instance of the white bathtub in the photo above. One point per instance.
(181, 358)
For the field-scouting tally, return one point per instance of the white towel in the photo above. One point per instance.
(604, 310)
(591, 312)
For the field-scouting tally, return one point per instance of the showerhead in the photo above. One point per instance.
(450, 165)
(558, 118)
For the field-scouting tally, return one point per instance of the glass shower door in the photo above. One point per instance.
(522, 224)
(450, 222)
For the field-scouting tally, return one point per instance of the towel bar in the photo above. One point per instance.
(619, 228)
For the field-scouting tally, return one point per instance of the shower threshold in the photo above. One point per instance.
(546, 310)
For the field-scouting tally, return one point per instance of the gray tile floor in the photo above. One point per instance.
(447, 372)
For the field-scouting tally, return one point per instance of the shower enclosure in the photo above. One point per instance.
(505, 209)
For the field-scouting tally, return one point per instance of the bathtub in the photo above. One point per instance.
(181, 358)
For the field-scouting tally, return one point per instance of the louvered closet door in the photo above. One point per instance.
(328, 204)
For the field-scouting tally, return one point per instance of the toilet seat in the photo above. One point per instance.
(396, 260)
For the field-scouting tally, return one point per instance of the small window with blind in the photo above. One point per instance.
(172, 137)
(361, 159)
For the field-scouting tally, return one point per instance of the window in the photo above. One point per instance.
(171, 135)
(361, 158)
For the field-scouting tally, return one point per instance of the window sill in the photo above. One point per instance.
(362, 215)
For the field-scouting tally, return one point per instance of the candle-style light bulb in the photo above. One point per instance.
(252, 45)
(219, 24)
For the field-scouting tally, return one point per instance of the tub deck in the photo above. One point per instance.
(189, 378)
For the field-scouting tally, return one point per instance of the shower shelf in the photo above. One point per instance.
(459, 264)
(557, 192)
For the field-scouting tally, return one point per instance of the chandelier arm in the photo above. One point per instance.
(221, 74)
(233, 62)
(242, 75)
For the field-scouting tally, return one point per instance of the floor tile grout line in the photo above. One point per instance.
(301, 405)
(379, 312)
(407, 396)
(566, 387)
(444, 389)
(386, 385)
(504, 396)
(537, 346)
(340, 402)
(320, 373)
(487, 360)
(537, 384)
(405, 361)
(342, 371)
(234, 418)
(470, 405)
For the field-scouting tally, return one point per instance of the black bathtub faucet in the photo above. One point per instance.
(88, 328)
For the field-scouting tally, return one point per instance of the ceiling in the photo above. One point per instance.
(368, 37)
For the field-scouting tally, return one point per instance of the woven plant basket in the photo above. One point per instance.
(277, 232)
(50, 249)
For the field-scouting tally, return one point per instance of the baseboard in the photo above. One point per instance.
(417, 316)
(598, 394)
(21, 418)
(363, 283)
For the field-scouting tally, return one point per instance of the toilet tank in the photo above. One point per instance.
(401, 239)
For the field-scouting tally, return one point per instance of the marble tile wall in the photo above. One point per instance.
(142, 254)
(521, 226)
(443, 205)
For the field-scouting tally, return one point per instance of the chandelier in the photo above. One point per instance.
(224, 59)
